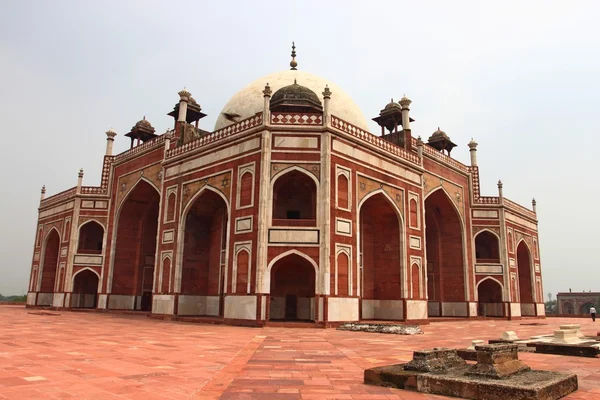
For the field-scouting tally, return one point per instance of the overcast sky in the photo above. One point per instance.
(521, 77)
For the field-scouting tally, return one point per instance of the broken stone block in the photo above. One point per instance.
(436, 360)
(475, 343)
(497, 361)
(509, 335)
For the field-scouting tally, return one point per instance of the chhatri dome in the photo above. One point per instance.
(250, 101)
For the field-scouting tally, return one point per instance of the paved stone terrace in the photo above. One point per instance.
(84, 355)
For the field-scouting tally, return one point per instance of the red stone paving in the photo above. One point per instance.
(111, 356)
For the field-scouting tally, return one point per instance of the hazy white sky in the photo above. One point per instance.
(521, 77)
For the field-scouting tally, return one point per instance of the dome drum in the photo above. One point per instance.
(299, 97)
(295, 98)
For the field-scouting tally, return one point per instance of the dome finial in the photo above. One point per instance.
(293, 63)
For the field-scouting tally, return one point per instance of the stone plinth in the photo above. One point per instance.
(436, 371)
(434, 360)
(576, 327)
(566, 336)
(497, 361)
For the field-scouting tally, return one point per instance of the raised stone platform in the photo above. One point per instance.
(498, 375)
(577, 350)
(568, 340)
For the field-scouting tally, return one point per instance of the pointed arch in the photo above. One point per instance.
(525, 276)
(267, 278)
(241, 278)
(84, 269)
(382, 275)
(170, 209)
(443, 189)
(415, 280)
(86, 286)
(165, 284)
(342, 191)
(137, 235)
(442, 239)
(34, 279)
(388, 197)
(246, 189)
(132, 188)
(285, 171)
(185, 209)
(490, 297)
(49, 231)
(522, 240)
(116, 225)
(48, 267)
(492, 279)
(293, 217)
(199, 193)
(293, 287)
(487, 230)
(92, 242)
(486, 244)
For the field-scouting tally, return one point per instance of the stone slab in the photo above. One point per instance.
(530, 385)
(577, 350)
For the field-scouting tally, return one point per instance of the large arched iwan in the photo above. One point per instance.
(49, 267)
(524, 271)
(444, 243)
(203, 249)
(292, 289)
(381, 251)
(135, 248)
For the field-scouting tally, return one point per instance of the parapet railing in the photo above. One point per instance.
(441, 157)
(374, 140)
(59, 197)
(230, 130)
(519, 208)
(150, 144)
(103, 188)
(487, 200)
(296, 119)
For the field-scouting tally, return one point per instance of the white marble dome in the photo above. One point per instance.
(249, 100)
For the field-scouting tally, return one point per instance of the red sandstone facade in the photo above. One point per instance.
(577, 303)
(289, 214)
